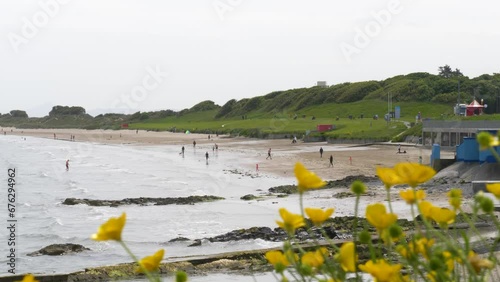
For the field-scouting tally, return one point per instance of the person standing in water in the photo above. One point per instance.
(67, 165)
(206, 156)
(182, 151)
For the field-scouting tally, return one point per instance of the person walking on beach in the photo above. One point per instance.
(331, 161)
(321, 152)
(269, 154)
(67, 165)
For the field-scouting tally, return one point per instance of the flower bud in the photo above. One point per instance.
(365, 237)
(358, 187)
(181, 276)
(487, 205)
(395, 231)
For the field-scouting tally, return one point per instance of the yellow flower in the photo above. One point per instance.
(413, 174)
(432, 276)
(151, 263)
(425, 208)
(494, 189)
(314, 259)
(424, 245)
(318, 216)
(455, 196)
(111, 229)
(478, 263)
(486, 140)
(377, 216)
(277, 258)
(307, 179)
(290, 221)
(29, 278)
(411, 196)
(404, 251)
(388, 176)
(381, 270)
(450, 264)
(348, 257)
(442, 215)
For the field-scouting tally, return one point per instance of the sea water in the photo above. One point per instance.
(98, 171)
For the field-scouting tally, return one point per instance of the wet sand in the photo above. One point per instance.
(347, 159)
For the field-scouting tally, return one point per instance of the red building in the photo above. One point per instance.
(324, 127)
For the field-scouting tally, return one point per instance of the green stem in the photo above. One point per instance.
(301, 202)
(389, 199)
(355, 230)
(495, 154)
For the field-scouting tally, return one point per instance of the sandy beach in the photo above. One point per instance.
(347, 159)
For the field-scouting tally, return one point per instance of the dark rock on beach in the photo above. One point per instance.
(341, 183)
(59, 249)
(249, 197)
(142, 201)
(196, 243)
(348, 180)
(268, 234)
(284, 189)
(333, 228)
(179, 239)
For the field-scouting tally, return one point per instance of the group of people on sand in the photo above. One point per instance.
(321, 156)
(215, 147)
(269, 156)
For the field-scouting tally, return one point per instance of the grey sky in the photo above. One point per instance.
(128, 56)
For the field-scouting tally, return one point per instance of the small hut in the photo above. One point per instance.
(474, 108)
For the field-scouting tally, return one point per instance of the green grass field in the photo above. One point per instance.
(284, 122)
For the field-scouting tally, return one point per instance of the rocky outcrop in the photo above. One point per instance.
(341, 183)
(333, 228)
(249, 197)
(59, 249)
(274, 235)
(142, 201)
(284, 189)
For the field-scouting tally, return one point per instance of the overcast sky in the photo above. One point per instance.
(129, 56)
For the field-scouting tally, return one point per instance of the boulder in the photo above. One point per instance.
(59, 249)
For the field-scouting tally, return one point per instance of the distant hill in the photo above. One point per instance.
(414, 87)
(417, 91)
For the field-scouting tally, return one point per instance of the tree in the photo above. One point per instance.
(445, 71)
(457, 73)
(18, 114)
(65, 110)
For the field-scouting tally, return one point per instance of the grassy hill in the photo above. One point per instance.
(260, 124)
(292, 111)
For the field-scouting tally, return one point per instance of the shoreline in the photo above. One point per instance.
(348, 159)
